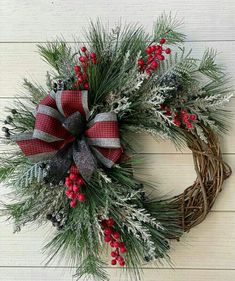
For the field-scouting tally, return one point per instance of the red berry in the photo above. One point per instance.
(121, 244)
(154, 65)
(183, 111)
(80, 181)
(160, 57)
(86, 86)
(73, 176)
(193, 117)
(93, 55)
(116, 244)
(150, 58)
(113, 262)
(104, 223)
(177, 122)
(153, 48)
(114, 254)
(141, 62)
(120, 258)
(76, 188)
(148, 50)
(73, 203)
(107, 238)
(159, 48)
(68, 181)
(68, 193)
(83, 49)
(123, 250)
(108, 231)
(77, 68)
(122, 263)
(189, 126)
(82, 59)
(162, 41)
(168, 51)
(110, 222)
(112, 244)
(158, 51)
(116, 235)
(80, 79)
(73, 195)
(81, 197)
(186, 117)
(148, 71)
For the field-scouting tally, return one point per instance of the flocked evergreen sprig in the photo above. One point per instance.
(153, 89)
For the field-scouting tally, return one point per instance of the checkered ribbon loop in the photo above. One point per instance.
(63, 135)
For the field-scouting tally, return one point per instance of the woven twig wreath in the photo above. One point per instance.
(197, 200)
(73, 167)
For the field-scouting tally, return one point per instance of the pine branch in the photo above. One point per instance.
(180, 64)
(208, 67)
(166, 27)
(37, 92)
(26, 175)
(53, 52)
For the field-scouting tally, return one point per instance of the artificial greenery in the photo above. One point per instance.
(144, 104)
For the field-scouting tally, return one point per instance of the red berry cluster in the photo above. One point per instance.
(154, 56)
(81, 71)
(74, 183)
(181, 118)
(113, 237)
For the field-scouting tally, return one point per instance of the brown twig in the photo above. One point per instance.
(197, 200)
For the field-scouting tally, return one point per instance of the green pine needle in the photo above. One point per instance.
(167, 27)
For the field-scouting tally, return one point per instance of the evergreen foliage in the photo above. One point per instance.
(116, 83)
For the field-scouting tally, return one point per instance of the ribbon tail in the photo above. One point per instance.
(60, 164)
(83, 158)
(108, 157)
(36, 150)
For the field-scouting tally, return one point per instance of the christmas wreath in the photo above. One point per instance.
(76, 163)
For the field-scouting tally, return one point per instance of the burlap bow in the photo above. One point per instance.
(63, 135)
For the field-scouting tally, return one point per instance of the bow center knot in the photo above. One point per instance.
(75, 124)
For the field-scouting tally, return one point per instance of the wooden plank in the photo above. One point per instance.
(22, 60)
(142, 143)
(33, 20)
(215, 237)
(175, 275)
(49, 274)
(35, 274)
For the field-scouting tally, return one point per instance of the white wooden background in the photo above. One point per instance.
(208, 251)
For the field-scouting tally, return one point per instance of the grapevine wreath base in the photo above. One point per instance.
(76, 167)
(197, 200)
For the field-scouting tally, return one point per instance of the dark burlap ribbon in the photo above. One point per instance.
(63, 135)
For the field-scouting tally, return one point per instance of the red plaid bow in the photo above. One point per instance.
(57, 117)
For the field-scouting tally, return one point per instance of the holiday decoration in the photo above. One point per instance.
(74, 163)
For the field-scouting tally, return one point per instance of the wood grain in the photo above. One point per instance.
(215, 237)
(45, 274)
(35, 274)
(33, 20)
